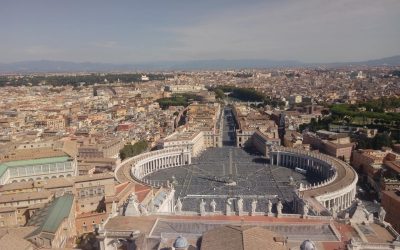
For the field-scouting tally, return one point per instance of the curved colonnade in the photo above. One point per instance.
(336, 192)
(137, 167)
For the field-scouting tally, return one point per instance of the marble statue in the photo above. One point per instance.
(240, 204)
(202, 207)
(150, 205)
(132, 207)
(143, 210)
(253, 206)
(279, 207)
(213, 205)
(305, 209)
(269, 206)
(382, 214)
(178, 205)
(291, 180)
(228, 205)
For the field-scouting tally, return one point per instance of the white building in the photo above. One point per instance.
(37, 169)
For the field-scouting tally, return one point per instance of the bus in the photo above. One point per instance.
(300, 170)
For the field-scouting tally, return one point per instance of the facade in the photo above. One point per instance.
(90, 190)
(193, 142)
(368, 163)
(330, 143)
(250, 121)
(86, 223)
(262, 142)
(390, 201)
(37, 169)
(28, 196)
(100, 149)
(8, 217)
(25, 204)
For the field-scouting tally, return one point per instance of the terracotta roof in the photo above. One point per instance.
(93, 177)
(240, 238)
(131, 223)
(11, 241)
(24, 196)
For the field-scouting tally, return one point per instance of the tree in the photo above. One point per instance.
(219, 93)
(130, 150)
(382, 140)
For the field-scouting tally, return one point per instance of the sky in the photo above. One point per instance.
(133, 31)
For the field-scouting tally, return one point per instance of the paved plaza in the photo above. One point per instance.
(224, 172)
(219, 173)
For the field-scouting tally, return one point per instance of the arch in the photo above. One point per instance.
(61, 176)
(46, 177)
(69, 175)
(14, 181)
(30, 179)
(23, 180)
(38, 178)
(53, 177)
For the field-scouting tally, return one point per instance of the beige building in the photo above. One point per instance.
(193, 141)
(90, 190)
(254, 128)
(8, 217)
(93, 148)
(55, 223)
(25, 204)
(334, 144)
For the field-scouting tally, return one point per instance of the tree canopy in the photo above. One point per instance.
(130, 150)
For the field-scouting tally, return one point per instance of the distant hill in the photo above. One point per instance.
(63, 66)
(387, 61)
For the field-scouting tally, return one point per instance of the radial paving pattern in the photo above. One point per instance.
(231, 172)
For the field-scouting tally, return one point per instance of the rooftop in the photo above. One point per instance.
(5, 165)
(24, 196)
(50, 217)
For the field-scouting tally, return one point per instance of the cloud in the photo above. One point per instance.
(105, 44)
(41, 50)
(312, 30)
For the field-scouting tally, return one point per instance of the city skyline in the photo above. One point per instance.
(131, 32)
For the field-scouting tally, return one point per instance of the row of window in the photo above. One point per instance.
(87, 192)
(40, 169)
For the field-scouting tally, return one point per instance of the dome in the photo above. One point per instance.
(307, 245)
(181, 242)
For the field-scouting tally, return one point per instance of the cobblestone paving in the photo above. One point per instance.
(209, 175)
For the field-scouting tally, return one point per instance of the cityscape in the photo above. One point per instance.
(158, 145)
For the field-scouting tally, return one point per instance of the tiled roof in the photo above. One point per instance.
(50, 218)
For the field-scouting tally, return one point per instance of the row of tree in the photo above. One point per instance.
(183, 99)
(77, 80)
(373, 110)
(246, 95)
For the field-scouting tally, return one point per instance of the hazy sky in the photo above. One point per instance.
(142, 31)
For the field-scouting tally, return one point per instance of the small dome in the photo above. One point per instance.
(181, 242)
(307, 245)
